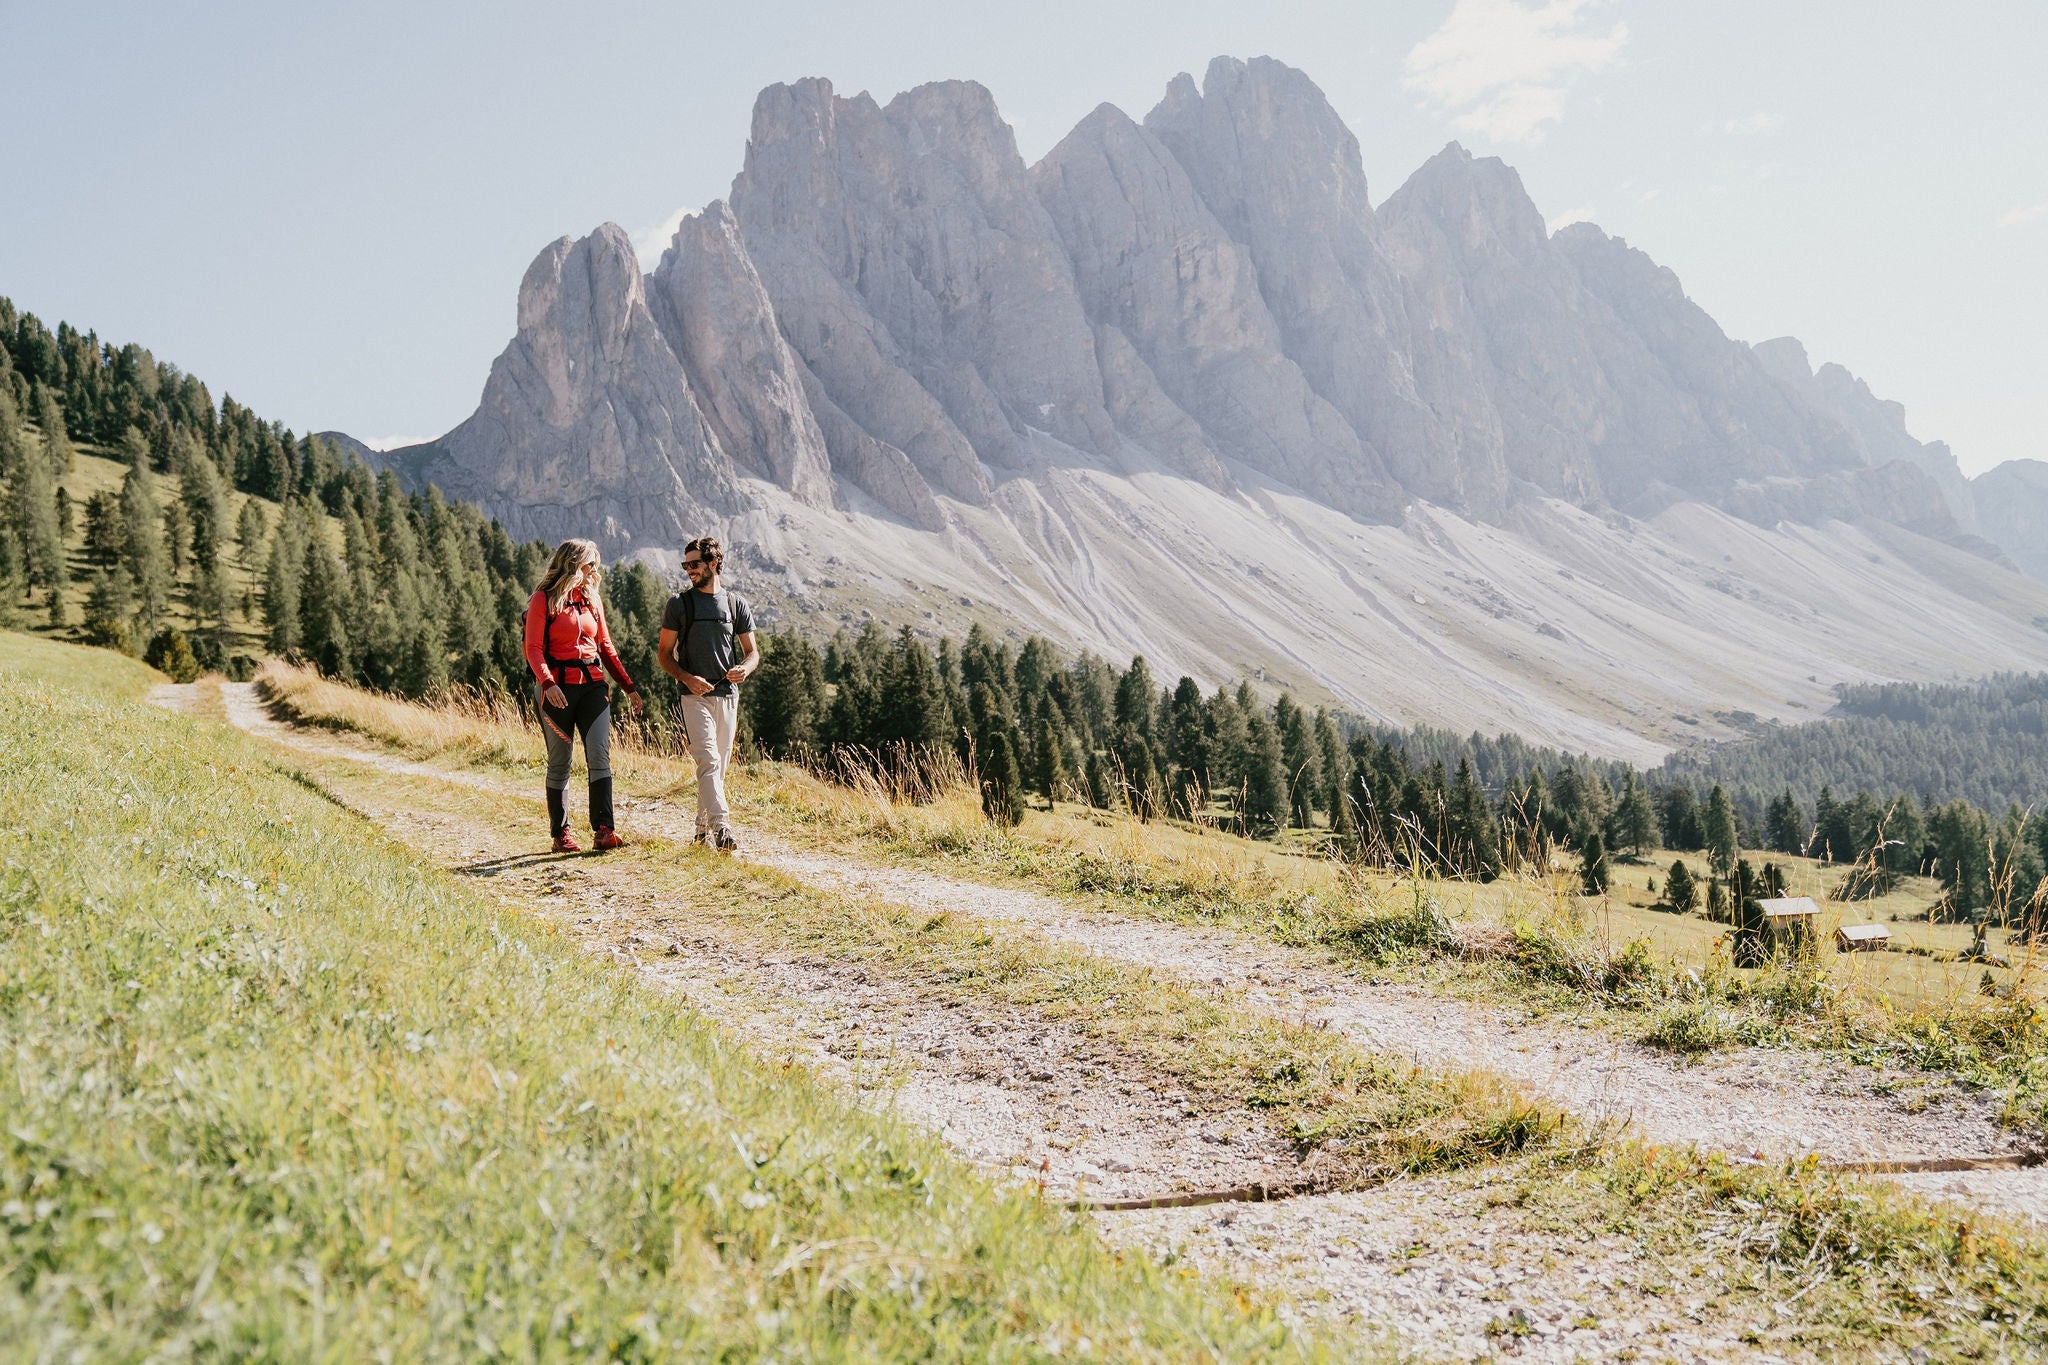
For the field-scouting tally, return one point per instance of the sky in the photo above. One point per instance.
(325, 210)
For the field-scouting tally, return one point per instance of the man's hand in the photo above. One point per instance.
(737, 673)
(553, 696)
(696, 684)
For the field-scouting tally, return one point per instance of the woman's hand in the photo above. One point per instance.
(639, 703)
(553, 697)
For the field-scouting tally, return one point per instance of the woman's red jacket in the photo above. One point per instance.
(577, 638)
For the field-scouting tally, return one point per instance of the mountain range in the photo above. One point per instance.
(1181, 388)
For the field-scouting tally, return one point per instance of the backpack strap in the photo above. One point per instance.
(689, 600)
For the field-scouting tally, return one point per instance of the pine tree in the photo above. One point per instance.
(143, 553)
(1784, 827)
(1679, 817)
(1344, 825)
(1718, 829)
(1634, 821)
(205, 501)
(13, 445)
(1334, 765)
(1302, 759)
(1471, 841)
(1102, 788)
(1051, 755)
(170, 653)
(1140, 773)
(108, 605)
(1265, 780)
(1681, 892)
(177, 535)
(1593, 872)
(281, 582)
(786, 698)
(1002, 789)
(57, 446)
(423, 665)
(1135, 693)
(33, 511)
(1829, 842)
(251, 527)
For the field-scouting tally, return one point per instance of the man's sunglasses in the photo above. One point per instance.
(693, 563)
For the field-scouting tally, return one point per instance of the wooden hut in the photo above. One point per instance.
(1789, 923)
(1862, 938)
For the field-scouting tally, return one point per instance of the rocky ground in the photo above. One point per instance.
(1452, 1267)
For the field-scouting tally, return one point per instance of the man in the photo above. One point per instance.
(707, 645)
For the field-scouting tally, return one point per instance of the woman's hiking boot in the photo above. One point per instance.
(608, 839)
(565, 842)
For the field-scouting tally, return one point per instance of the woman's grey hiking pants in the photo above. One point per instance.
(589, 713)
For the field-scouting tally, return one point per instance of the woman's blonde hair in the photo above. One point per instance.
(570, 557)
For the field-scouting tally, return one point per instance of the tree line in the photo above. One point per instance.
(1985, 742)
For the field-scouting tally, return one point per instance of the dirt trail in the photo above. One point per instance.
(1750, 1101)
(1452, 1266)
(1768, 1101)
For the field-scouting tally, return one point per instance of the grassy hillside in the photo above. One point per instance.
(274, 1089)
(1826, 1262)
(243, 630)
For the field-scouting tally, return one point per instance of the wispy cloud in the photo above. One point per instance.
(649, 243)
(1750, 124)
(1505, 68)
(393, 442)
(2025, 213)
(1570, 216)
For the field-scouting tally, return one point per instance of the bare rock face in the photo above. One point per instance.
(1875, 426)
(2012, 512)
(1282, 174)
(908, 239)
(716, 316)
(1156, 265)
(588, 424)
(894, 317)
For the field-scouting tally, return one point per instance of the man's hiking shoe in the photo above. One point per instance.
(724, 842)
(565, 842)
(608, 839)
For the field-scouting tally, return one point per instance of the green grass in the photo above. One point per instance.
(1791, 1255)
(273, 1089)
(94, 471)
(1533, 944)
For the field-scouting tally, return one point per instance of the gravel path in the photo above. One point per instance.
(1452, 1267)
(1455, 1262)
(1015, 1094)
(1752, 1101)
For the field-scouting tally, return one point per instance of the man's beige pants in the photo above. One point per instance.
(708, 723)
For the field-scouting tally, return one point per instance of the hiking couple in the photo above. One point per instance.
(707, 645)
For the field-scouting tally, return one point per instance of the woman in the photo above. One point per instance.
(566, 638)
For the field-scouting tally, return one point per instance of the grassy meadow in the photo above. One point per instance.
(1530, 942)
(1863, 1262)
(275, 1088)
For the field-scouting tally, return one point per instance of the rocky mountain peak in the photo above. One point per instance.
(893, 315)
(1478, 202)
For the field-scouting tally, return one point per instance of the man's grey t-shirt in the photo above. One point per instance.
(709, 648)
